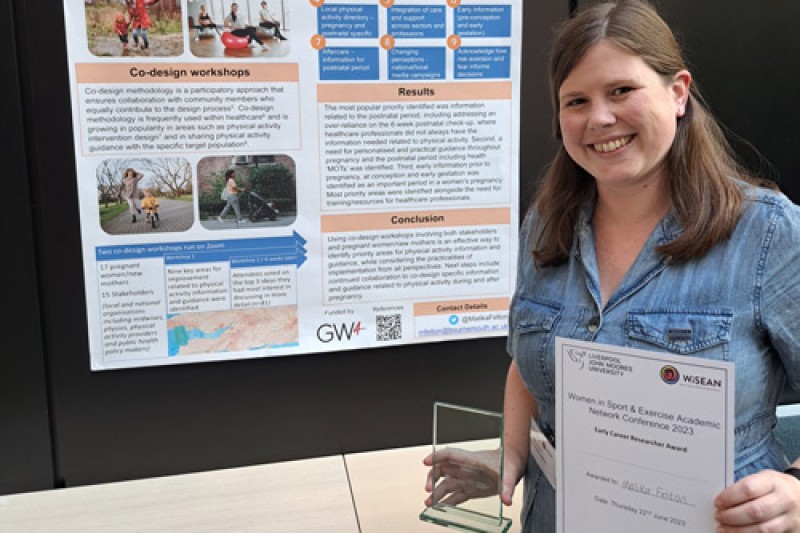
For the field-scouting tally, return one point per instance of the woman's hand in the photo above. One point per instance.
(465, 475)
(766, 501)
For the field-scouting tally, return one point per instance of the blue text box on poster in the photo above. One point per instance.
(417, 22)
(483, 62)
(347, 21)
(483, 21)
(348, 63)
(417, 63)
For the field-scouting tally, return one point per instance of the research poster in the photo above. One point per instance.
(260, 179)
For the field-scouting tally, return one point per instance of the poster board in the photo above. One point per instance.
(375, 152)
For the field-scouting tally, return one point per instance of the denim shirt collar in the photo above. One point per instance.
(647, 265)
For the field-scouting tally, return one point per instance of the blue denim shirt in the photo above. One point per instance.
(740, 302)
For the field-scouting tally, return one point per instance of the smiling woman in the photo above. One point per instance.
(644, 214)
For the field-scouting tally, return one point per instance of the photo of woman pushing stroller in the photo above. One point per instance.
(260, 209)
(247, 192)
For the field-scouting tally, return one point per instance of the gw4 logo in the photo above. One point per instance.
(329, 332)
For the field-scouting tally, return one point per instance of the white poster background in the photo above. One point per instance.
(398, 122)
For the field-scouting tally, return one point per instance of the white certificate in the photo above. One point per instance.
(644, 440)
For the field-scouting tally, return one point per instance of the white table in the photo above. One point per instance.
(370, 492)
(294, 496)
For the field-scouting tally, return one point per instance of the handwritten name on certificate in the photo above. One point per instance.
(644, 440)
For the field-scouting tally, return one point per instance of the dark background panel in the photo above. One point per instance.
(25, 452)
(745, 56)
(537, 144)
(126, 424)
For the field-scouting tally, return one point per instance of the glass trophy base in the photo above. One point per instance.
(466, 467)
(464, 519)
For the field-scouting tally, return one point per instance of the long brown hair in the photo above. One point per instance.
(700, 163)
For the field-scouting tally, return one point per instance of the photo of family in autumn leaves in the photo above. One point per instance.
(134, 27)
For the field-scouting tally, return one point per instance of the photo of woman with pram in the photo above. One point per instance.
(243, 192)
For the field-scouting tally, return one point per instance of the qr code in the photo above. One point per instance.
(388, 327)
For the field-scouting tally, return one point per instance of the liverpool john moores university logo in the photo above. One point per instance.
(576, 356)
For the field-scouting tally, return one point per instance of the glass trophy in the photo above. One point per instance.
(467, 471)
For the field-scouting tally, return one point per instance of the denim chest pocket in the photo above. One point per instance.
(533, 326)
(703, 333)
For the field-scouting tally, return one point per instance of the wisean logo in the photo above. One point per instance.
(670, 374)
(703, 381)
